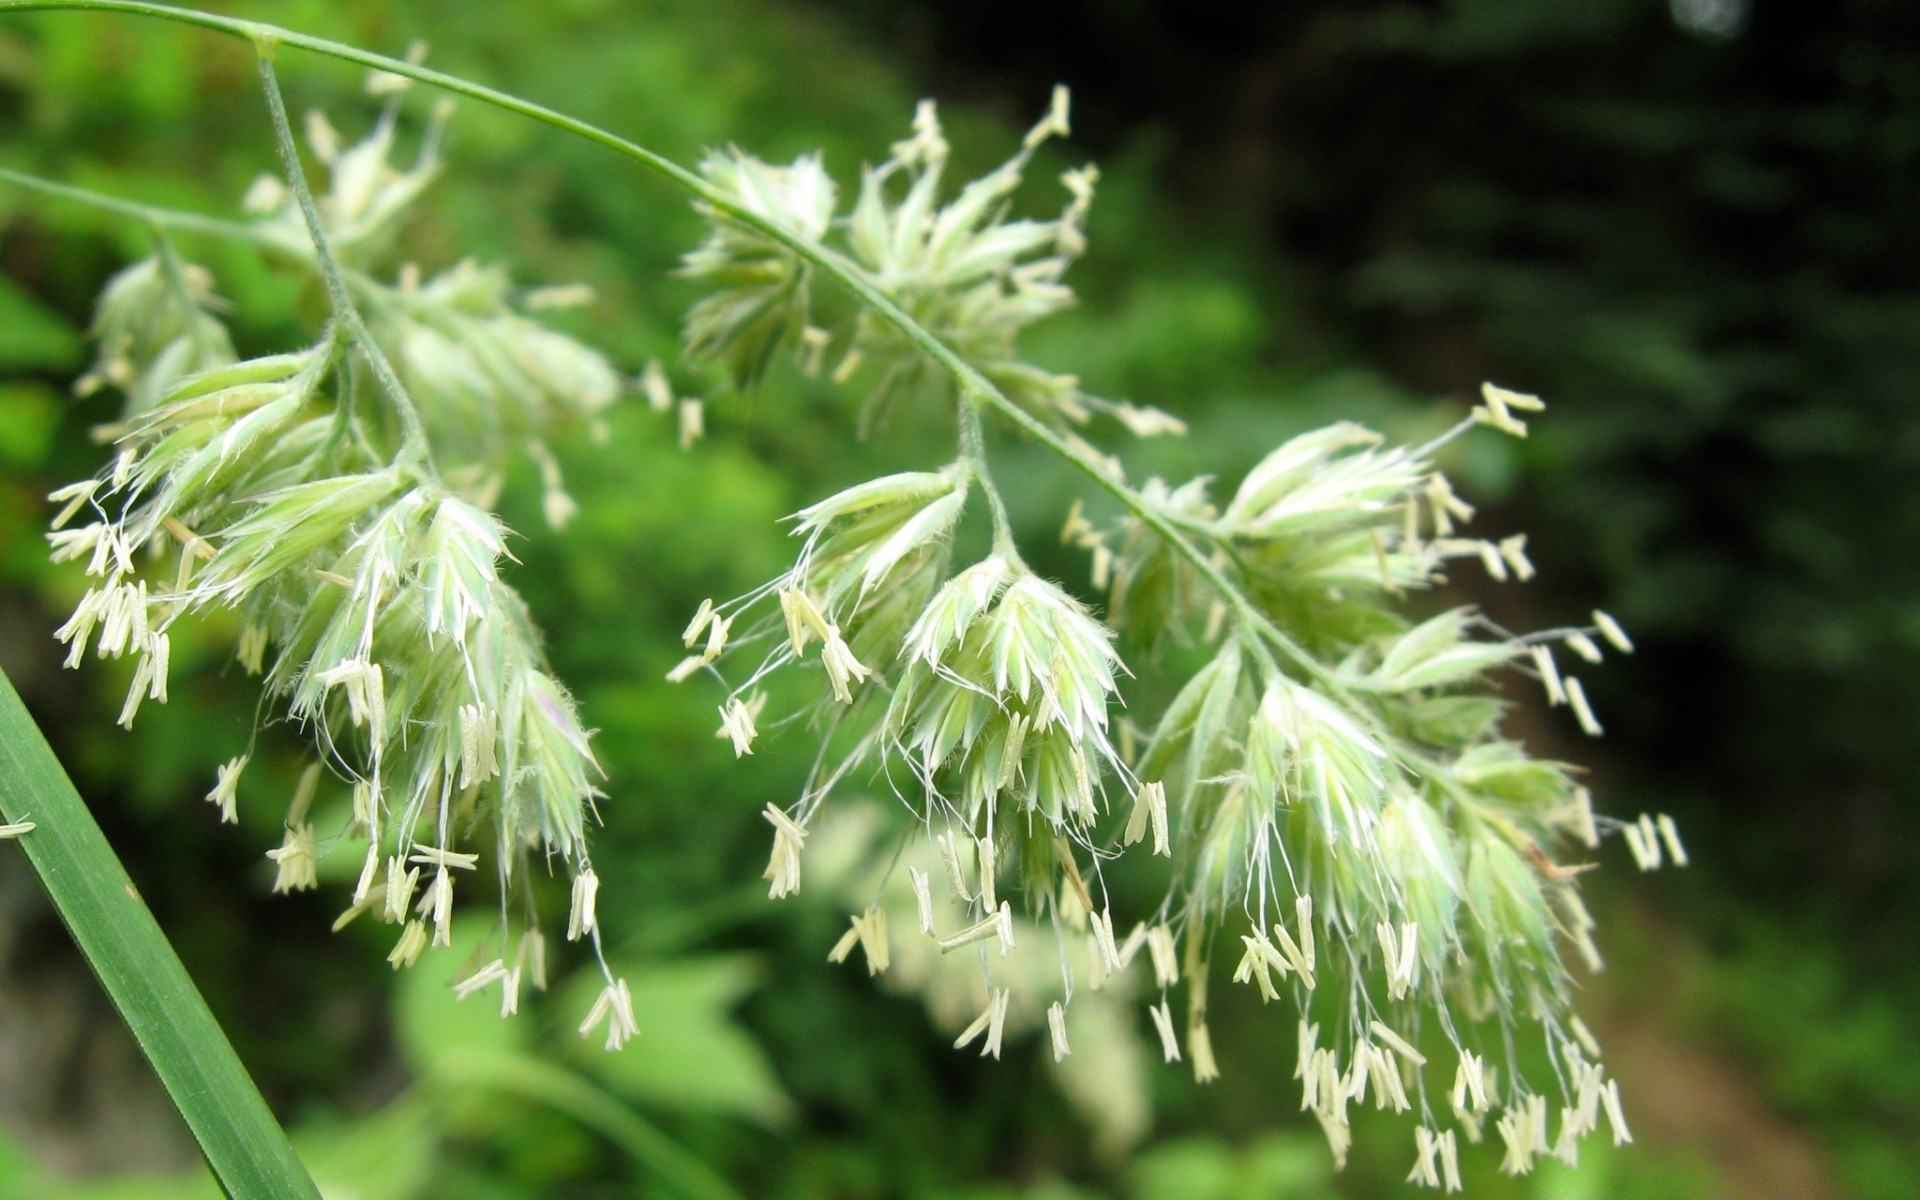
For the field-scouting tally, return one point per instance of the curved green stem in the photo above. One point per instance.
(973, 386)
(182, 220)
(160, 218)
(244, 1145)
(415, 449)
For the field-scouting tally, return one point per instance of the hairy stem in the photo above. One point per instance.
(414, 447)
(973, 451)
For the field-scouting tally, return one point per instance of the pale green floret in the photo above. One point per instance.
(873, 556)
(1322, 482)
(1004, 693)
(871, 551)
(1510, 919)
(1437, 653)
(760, 299)
(1419, 854)
(155, 323)
(212, 435)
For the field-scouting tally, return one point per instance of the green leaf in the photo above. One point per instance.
(691, 1054)
(29, 413)
(1190, 1169)
(1279, 1167)
(142, 975)
(542, 1082)
(32, 336)
(389, 1155)
(432, 1027)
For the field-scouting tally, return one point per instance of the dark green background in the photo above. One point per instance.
(1700, 244)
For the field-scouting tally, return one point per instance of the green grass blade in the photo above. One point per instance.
(243, 1143)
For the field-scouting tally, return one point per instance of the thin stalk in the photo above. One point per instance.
(180, 220)
(176, 275)
(973, 386)
(244, 1145)
(413, 434)
(162, 218)
(973, 452)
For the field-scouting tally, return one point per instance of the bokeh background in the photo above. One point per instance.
(1690, 224)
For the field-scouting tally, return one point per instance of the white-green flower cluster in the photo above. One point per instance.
(367, 196)
(155, 322)
(761, 297)
(1332, 784)
(359, 557)
(490, 379)
(1349, 812)
(960, 265)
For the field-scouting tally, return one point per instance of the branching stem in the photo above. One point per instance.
(180, 220)
(414, 449)
(973, 451)
(973, 387)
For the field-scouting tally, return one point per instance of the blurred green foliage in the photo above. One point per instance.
(1701, 249)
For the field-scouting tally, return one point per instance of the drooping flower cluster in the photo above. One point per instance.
(364, 569)
(1332, 784)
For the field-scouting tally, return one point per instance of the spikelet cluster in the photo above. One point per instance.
(1001, 700)
(155, 321)
(960, 264)
(366, 584)
(1350, 830)
(1349, 812)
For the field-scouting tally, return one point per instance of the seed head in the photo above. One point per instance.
(363, 564)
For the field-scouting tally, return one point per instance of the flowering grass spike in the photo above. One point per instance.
(1332, 783)
(1340, 811)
